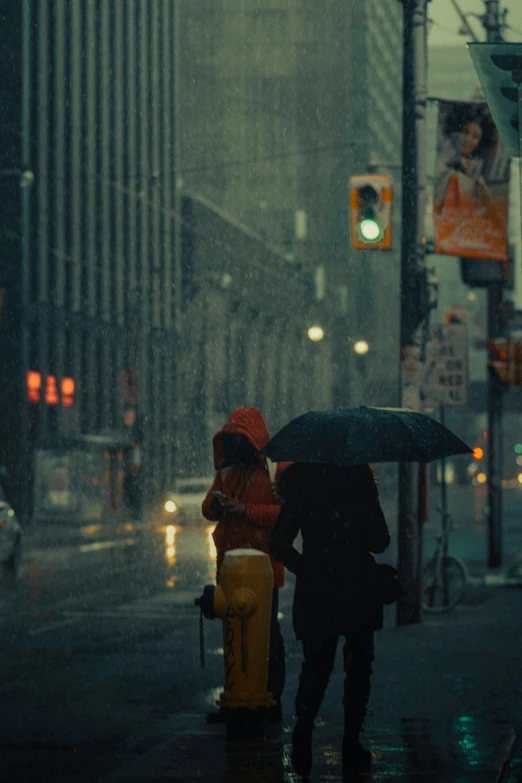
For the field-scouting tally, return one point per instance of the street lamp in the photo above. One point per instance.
(26, 177)
(316, 334)
(361, 347)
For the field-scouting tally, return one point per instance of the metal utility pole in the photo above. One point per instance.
(414, 291)
(178, 397)
(492, 25)
(491, 21)
(494, 443)
(24, 479)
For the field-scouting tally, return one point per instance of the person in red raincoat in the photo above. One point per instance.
(245, 515)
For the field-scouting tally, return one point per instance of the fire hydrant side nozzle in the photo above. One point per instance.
(206, 602)
(243, 602)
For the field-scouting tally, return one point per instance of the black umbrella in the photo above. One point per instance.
(357, 436)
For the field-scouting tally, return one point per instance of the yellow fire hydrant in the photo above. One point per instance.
(243, 599)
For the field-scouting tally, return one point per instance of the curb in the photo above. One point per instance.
(501, 580)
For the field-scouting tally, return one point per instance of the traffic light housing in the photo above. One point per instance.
(67, 388)
(505, 358)
(51, 391)
(371, 204)
(34, 386)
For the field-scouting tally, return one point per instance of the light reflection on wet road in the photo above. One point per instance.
(93, 573)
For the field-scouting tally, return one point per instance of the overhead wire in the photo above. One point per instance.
(446, 29)
(513, 29)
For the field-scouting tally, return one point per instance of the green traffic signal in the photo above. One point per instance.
(370, 229)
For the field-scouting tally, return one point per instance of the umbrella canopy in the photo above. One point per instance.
(357, 436)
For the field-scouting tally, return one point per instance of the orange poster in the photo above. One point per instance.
(471, 190)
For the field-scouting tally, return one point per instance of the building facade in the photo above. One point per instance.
(94, 83)
(137, 311)
(288, 99)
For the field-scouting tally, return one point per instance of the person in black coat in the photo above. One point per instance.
(338, 513)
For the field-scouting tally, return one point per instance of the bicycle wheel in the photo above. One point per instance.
(443, 588)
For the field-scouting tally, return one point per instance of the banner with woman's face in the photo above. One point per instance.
(471, 190)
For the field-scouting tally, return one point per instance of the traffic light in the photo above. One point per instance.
(68, 392)
(371, 202)
(51, 391)
(34, 386)
(456, 315)
(505, 358)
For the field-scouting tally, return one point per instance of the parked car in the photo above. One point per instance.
(11, 535)
(183, 504)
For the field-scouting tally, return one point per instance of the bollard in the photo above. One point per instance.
(243, 600)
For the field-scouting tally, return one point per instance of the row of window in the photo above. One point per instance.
(104, 158)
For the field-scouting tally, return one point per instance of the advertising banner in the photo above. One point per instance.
(471, 189)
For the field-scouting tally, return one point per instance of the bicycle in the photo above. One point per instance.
(444, 577)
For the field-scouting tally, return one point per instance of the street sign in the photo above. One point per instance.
(445, 378)
(411, 377)
(479, 273)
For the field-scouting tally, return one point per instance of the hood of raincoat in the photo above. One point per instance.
(248, 422)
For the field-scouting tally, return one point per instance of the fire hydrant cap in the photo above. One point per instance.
(244, 602)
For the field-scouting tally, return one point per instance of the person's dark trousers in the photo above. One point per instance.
(359, 654)
(276, 658)
(316, 669)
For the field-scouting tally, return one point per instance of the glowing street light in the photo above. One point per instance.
(316, 333)
(361, 347)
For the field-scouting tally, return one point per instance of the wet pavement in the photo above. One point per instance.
(101, 677)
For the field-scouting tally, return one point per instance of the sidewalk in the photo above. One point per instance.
(445, 703)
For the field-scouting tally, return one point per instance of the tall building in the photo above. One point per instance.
(138, 306)
(284, 101)
(89, 268)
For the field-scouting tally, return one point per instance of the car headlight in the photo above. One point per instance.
(170, 507)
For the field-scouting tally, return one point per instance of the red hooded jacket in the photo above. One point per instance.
(252, 486)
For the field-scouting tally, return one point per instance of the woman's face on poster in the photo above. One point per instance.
(469, 138)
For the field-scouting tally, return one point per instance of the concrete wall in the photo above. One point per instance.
(244, 334)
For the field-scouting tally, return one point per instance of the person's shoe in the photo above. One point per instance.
(216, 716)
(355, 755)
(302, 747)
(274, 714)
